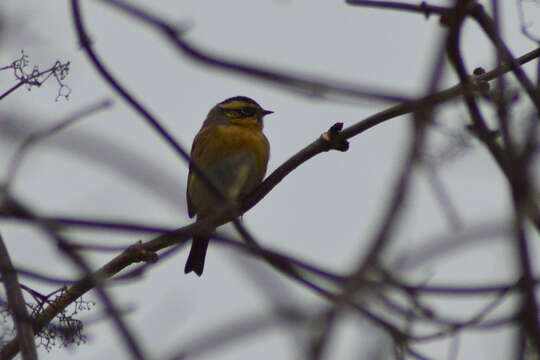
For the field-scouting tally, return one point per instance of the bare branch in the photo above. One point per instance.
(64, 245)
(25, 335)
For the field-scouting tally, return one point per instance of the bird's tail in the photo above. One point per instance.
(195, 261)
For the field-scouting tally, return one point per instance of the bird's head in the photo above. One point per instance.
(238, 110)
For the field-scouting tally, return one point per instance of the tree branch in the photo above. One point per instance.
(17, 305)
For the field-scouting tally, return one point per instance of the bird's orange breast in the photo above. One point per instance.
(231, 154)
(220, 141)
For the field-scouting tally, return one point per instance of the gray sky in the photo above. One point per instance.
(324, 212)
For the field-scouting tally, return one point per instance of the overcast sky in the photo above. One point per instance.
(113, 165)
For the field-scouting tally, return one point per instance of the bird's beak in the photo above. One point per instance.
(267, 112)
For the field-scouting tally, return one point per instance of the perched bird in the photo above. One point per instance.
(233, 152)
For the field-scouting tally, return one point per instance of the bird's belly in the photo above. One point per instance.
(235, 160)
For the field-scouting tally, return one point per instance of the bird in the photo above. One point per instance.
(232, 151)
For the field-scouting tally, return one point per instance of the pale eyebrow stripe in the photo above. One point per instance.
(236, 104)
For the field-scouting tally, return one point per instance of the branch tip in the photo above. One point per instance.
(332, 140)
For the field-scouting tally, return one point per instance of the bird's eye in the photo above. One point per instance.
(248, 111)
(233, 113)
